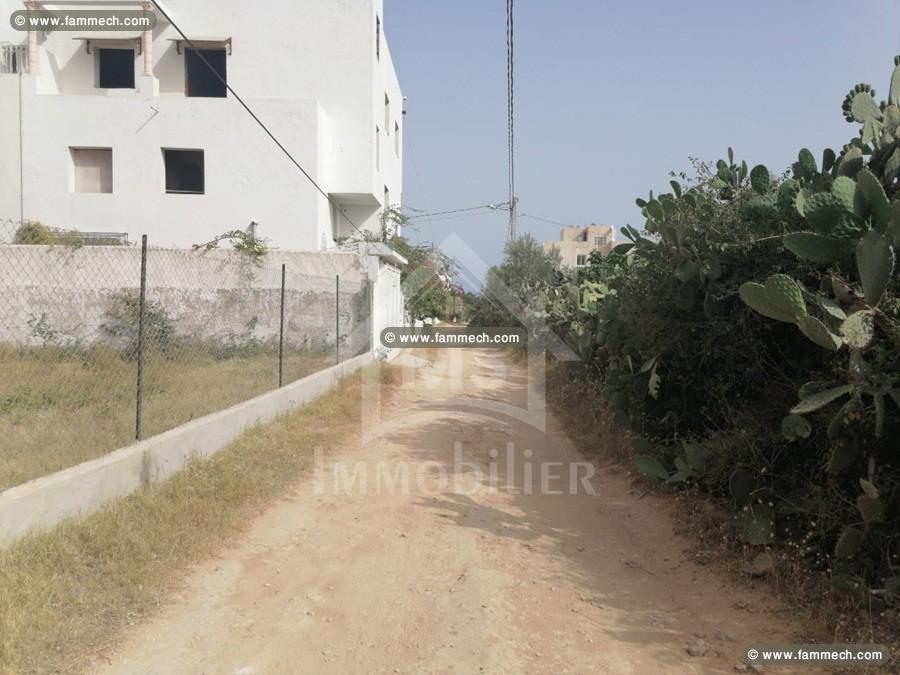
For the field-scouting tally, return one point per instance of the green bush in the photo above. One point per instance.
(122, 323)
(749, 336)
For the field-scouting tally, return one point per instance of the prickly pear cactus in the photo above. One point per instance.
(818, 248)
(894, 97)
(875, 260)
(816, 331)
(780, 298)
(860, 104)
(859, 329)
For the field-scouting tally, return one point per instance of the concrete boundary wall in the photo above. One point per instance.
(80, 490)
(218, 296)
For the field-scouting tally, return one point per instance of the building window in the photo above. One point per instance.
(397, 139)
(580, 260)
(599, 241)
(387, 115)
(115, 68)
(387, 197)
(377, 37)
(184, 171)
(92, 169)
(377, 147)
(200, 79)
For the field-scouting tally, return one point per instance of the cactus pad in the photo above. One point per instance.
(870, 508)
(816, 331)
(787, 193)
(805, 166)
(820, 399)
(817, 247)
(756, 524)
(759, 179)
(875, 261)
(858, 329)
(851, 162)
(849, 542)
(825, 213)
(860, 105)
(780, 298)
(894, 96)
(871, 199)
(844, 189)
(794, 427)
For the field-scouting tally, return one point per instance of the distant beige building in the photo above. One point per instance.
(576, 243)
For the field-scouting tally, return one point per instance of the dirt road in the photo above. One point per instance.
(463, 572)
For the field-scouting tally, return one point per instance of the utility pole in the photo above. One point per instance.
(512, 234)
(512, 231)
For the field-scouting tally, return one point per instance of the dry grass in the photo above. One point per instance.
(588, 423)
(65, 595)
(59, 409)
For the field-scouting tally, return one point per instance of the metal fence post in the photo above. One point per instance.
(337, 317)
(140, 341)
(281, 332)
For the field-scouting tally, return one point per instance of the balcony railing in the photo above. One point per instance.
(13, 58)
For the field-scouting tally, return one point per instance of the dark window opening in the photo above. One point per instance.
(116, 68)
(200, 79)
(184, 171)
(378, 38)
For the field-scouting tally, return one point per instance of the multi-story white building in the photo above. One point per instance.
(129, 132)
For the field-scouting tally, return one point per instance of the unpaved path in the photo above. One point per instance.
(477, 576)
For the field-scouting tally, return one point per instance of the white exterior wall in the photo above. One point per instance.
(9, 142)
(383, 266)
(308, 68)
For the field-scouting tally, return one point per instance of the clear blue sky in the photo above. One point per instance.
(613, 94)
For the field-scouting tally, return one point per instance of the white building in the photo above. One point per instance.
(128, 132)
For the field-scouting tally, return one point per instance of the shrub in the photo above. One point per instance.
(749, 337)
(34, 233)
(122, 323)
(517, 290)
(31, 232)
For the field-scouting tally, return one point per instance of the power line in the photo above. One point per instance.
(252, 114)
(454, 217)
(493, 207)
(546, 220)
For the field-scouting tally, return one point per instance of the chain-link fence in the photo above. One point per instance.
(103, 344)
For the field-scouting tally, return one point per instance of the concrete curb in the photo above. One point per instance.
(82, 489)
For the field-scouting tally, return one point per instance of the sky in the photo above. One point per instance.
(612, 96)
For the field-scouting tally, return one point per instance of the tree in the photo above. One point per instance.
(426, 279)
(527, 274)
